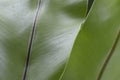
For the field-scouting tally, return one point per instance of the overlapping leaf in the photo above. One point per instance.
(57, 26)
(94, 42)
(58, 23)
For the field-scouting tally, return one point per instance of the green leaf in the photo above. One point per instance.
(112, 62)
(16, 20)
(94, 43)
(56, 29)
(57, 26)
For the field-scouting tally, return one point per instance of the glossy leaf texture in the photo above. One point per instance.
(57, 26)
(94, 43)
(16, 19)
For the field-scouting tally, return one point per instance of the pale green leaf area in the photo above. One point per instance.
(57, 26)
(56, 29)
(68, 43)
(15, 26)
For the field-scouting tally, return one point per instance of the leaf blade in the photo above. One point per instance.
(16, 19)
(55, 34)
(93, 41)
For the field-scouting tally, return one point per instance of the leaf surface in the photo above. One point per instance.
(57, 26)
(16, 19)
(94, 42)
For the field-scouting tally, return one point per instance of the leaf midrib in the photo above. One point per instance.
(109, 56)
(31, 40)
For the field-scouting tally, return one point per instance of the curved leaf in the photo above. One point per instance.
(16, 18)
(58, 23)
(94, 42)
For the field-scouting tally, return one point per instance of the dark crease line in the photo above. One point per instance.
(31, 41)
(109, 56)
(90, 4)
